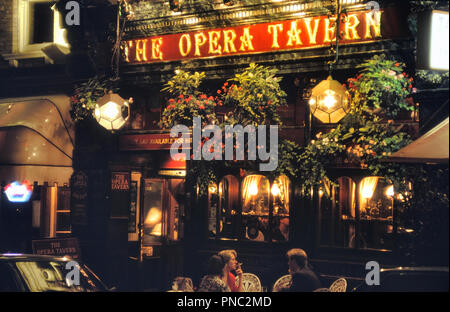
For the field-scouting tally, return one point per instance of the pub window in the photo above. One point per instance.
(163, 210)
(375, 213)
(280, 196)
(243, 211)
(255, 207)
(357, 220)
(227, 203)
(63, 226)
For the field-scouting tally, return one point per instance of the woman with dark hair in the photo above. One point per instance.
(213, 281)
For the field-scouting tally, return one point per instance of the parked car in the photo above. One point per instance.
(409, 279)
(35, 273)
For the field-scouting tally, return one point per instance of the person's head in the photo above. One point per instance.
(229, 257)
(216, 265)
(297, 259)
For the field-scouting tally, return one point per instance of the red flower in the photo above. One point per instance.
(203, 96)
(218, 91)
(171, 100)
(181, 96)
(397, 64)
(225, 84)
(410, 86)
(202, 107)
(269, 102)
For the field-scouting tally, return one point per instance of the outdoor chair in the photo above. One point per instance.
(250, 283)
(282, 283)
(339, 285)
(322, 290)
(182, 284)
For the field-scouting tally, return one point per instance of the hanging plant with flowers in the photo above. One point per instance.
(363, 138)
(252, 96)
(187, 101)
(86, 95)
(255, 95)
(382, 86)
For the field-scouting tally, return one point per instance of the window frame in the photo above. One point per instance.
(240, 234)
(357, 220)
(21, 48)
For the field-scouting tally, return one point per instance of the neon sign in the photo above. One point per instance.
(17, 192)
(308, 32)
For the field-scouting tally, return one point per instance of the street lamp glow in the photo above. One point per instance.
(112, 111)
(329, 101)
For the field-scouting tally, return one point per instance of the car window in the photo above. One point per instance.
(41, 276)
(8, 281)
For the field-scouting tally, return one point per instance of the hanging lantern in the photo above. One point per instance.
(329, 101)
(112, 112)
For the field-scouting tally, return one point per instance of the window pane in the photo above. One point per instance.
(41, 26)
(375, 208)
(255, 207)
(228, 218)
(152, 211)
(63, 198)
(345, 215)
(327, 215)
(62, 221)
(213, 202)
(280, 194)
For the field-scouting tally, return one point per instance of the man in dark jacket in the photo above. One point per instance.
(303, 278)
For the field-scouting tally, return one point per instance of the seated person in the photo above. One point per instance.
(215, 278)
(229, 257)
(303, 278)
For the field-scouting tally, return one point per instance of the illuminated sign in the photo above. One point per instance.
(136, 142)
(308, 32)
(432, 40)
(439, 40)
(18, 193)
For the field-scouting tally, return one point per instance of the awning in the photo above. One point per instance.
(432, 147)
(36, 139)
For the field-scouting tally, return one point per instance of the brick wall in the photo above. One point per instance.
(7, 16)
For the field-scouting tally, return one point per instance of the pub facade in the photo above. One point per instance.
(174, 229)
(138, 213)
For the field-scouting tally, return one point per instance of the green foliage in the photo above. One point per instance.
(87, 94)
(187, 101)
(362, 139)
(381, 86)
(255, 95)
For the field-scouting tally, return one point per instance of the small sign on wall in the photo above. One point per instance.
(120, 195)
(79, 198)
(57, 247)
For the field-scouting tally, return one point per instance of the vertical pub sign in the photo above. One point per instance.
(79, 198)
(120, 195)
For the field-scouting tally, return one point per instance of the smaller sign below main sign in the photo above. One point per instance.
(148, 142)
(60, 247)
